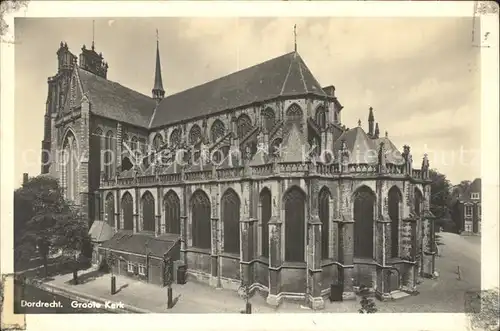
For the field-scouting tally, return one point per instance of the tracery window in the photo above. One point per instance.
(194, 134)
(324, 216)
(265, 217)
(294, 202)
(128, 211)
(172, 213)
(275, 147)
(269, 119)
(321, 117)
(394, 203)
(109, 153)
(231, 221)
(157, 142)
(110, 210)
(244, 125)
(294, 112)
(200, 213)
(364, 204)
(217, 130)
(148, 212)
(175, 137)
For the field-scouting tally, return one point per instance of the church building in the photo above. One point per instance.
(251, 178)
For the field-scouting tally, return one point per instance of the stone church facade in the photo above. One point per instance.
(253, 173)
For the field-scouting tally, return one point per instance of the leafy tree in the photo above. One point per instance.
(440, 194)
(44, 220)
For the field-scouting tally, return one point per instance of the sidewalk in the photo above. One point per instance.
(446, 294)
(191, 297)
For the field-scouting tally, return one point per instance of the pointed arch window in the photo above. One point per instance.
(294, 113)
(109, 154)
(324, 216)
(175, 137)
(95, 156)
(231, 221)
(128, 211)
(148, 212)
(70, 173)
(200, 213)
(194, 134)
(364, 204)
(217, 130)
(110, 210)
(244, 125)
(265, 217)
(321, 117)
(418, 202)
(294, 201)
(269, 119)
(394, 205)
(157, 142)
(172, 213)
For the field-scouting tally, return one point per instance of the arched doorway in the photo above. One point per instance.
(364, 204)
(200, 214)
(294, 201)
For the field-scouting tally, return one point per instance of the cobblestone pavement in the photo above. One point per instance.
(446, 294)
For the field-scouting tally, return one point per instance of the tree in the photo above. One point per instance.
(44, 220)
(440, 194)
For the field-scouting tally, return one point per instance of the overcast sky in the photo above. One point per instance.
(421, 75)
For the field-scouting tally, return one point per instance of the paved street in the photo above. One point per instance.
(446, 294)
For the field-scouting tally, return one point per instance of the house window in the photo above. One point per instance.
(130, 267)
(468, 226)
(142, 269)
(468, 211)
(474, 196)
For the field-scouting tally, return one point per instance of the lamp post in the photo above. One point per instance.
(110, 260)
(243, 291)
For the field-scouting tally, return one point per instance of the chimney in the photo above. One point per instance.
(25, 178)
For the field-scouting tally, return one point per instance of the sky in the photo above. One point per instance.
(420, 75)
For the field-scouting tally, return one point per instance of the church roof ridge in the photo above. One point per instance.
(284, 75)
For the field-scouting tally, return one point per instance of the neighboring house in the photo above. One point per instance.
(250, 214)
(466, 208)
(100, 231)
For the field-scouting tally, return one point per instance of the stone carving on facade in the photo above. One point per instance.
(382, 158)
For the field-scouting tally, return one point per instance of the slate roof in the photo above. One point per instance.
(100, 231)
(393, 155)
(142, 244)
(286, 75)
(362, 149)
(117, 102)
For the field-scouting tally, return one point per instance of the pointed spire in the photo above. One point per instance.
(377, 131)
(359, 122)
(158, 91)
(93, 34)
(371, 119)
(295, 38)
(386, 134)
